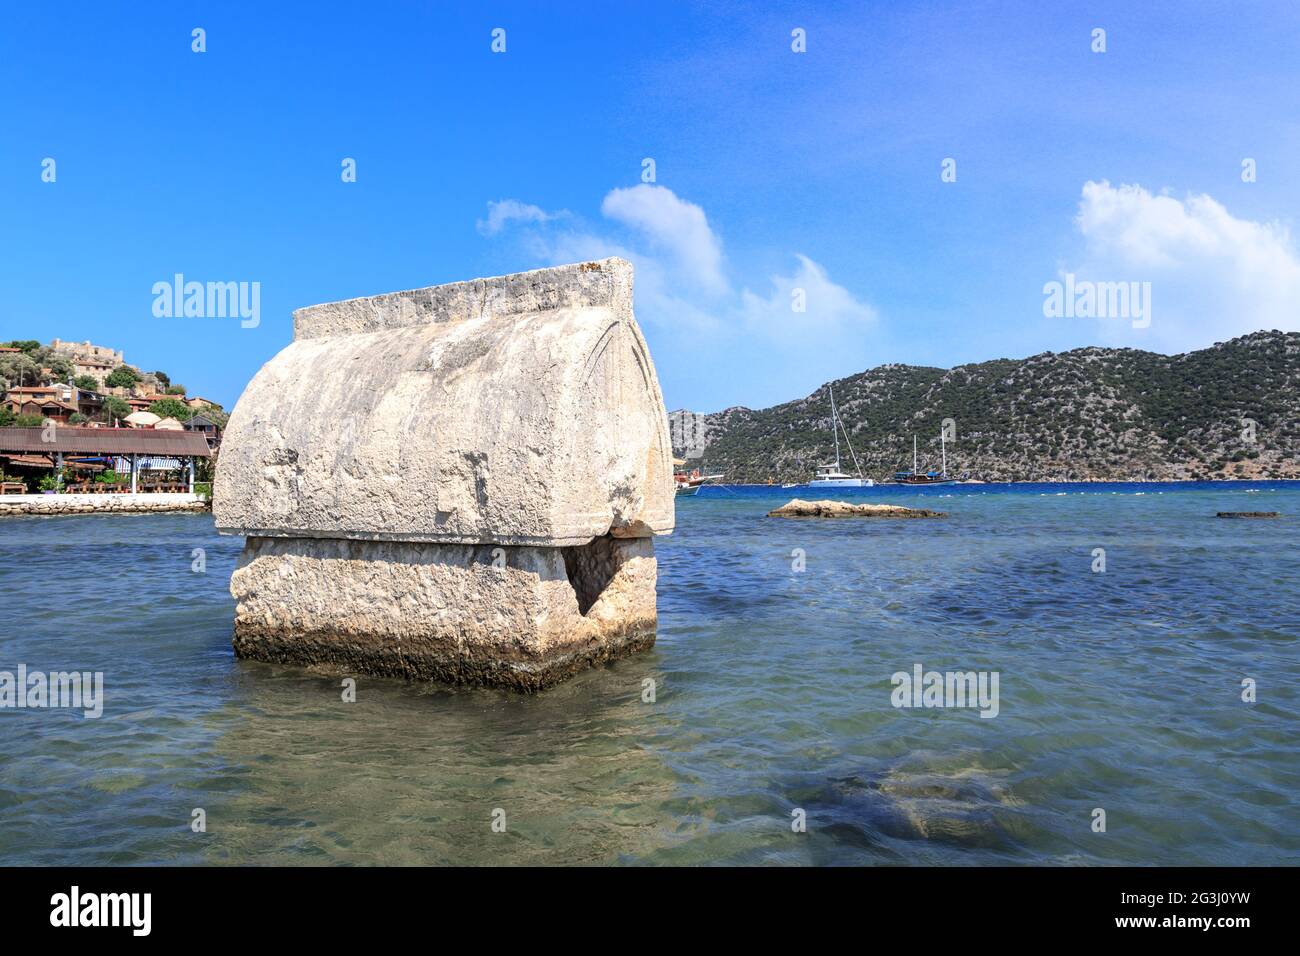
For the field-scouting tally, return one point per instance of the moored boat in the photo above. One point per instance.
(915, 477)
(830, 475)
(692, 483)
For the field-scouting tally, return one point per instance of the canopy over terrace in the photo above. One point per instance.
(132, 443)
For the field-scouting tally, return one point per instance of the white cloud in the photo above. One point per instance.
(827, 308)
(1213, 276)
(681, 283)
(658, 294)
(501, 214)
(673, 226)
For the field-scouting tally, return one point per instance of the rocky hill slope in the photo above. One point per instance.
(1093, 414)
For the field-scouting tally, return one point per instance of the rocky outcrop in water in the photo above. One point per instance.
(798, 508)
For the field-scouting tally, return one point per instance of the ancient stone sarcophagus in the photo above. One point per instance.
(458, 483)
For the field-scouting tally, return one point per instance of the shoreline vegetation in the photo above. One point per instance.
(84, 402)
(1231, 411)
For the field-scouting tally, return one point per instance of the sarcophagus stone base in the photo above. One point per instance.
(517, 617)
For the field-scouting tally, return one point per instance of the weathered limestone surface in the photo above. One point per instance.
(458, 483)
(798, 508)
(82, 504)
(520, 410)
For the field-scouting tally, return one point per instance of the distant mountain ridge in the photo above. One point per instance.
(1090, 414)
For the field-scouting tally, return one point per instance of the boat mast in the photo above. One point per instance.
(857, 465)
(943, 450)
(835, 429)
(914, 454)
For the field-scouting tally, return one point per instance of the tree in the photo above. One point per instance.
(116, 408)
(29, 421)
(44, 357)
(55, 480)
(76, 418)
(175, 389)
(87, 383)
(214, 414)
(163, 378)
(205, 469)
(124, 376)
(17, 369)
(172, 408)
(7, 415)
(27, 345)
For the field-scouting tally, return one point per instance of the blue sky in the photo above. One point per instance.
(775, 171)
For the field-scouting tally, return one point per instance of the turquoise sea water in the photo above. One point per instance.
(1118, 690)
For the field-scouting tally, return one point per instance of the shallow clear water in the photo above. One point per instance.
(1118, 690)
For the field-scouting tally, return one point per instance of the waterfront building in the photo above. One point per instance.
(126, 450)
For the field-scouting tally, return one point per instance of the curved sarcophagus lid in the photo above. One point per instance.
(519, 410)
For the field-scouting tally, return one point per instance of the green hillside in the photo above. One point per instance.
(1087, 414)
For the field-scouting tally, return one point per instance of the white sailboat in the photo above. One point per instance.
(830, 476)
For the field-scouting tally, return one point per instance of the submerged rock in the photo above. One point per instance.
(1247, 514)
(798, 508)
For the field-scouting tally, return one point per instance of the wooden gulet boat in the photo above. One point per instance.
(914, 477)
